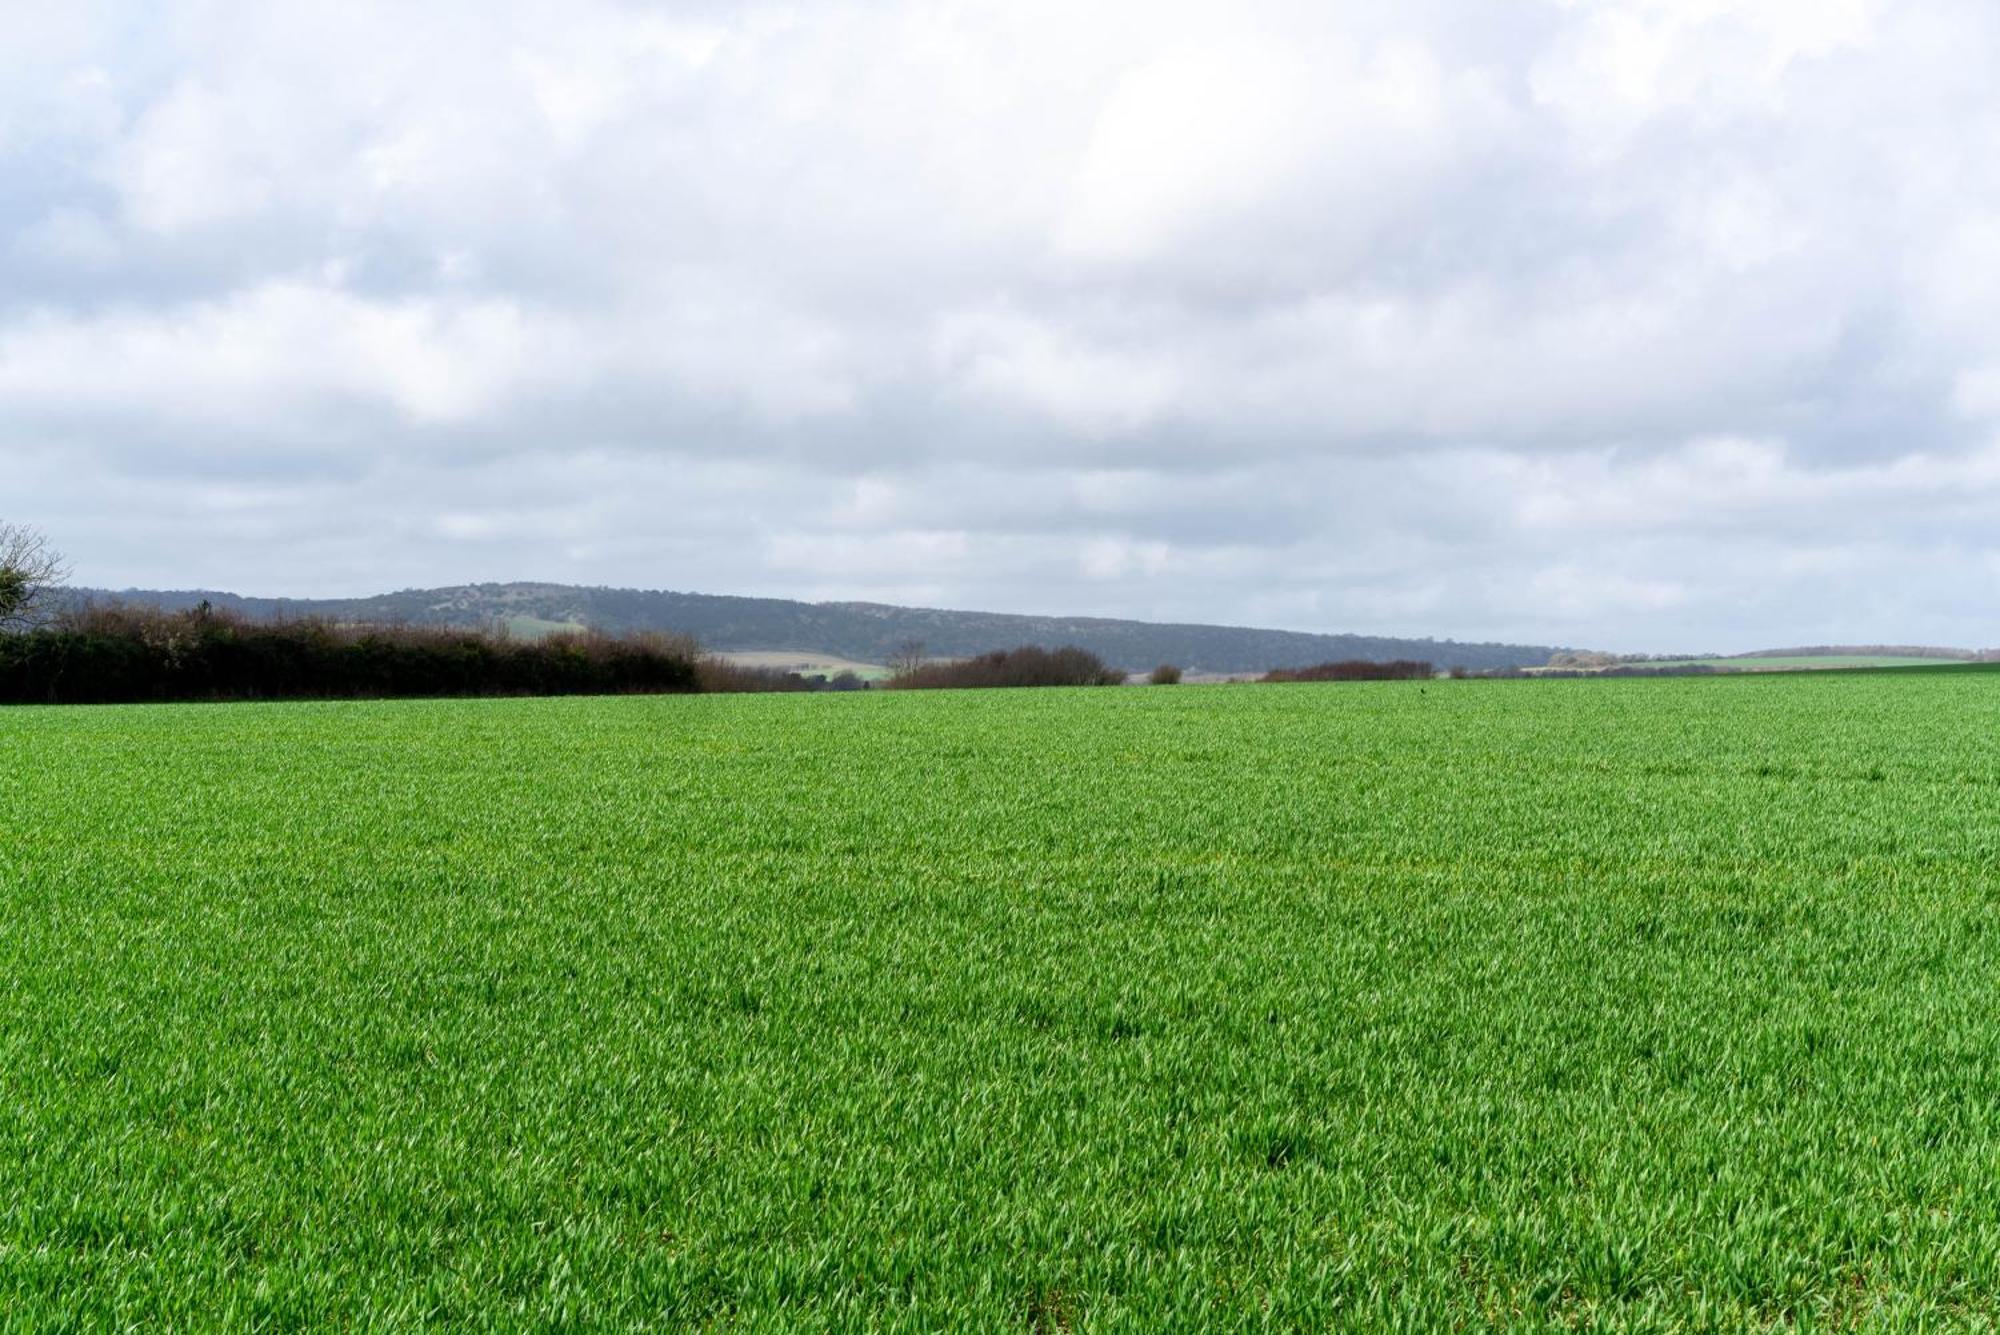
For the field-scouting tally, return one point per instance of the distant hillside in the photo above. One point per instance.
(867, 632)
(1916, 651)
(1800, 659)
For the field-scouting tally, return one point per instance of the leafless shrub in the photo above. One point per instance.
(1029, 665)
(907, 658)
(30, 570)
(722, 677)
(1402, 669)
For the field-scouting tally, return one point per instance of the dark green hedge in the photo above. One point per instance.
(125, 655)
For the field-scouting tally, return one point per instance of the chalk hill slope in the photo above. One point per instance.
(867, 632)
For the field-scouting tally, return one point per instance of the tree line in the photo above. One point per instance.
(78, 652)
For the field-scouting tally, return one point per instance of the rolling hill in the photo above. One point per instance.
(865, 632)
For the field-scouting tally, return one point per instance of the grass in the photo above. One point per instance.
(1658, 1003)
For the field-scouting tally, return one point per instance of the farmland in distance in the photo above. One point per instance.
(1801, 662)
(1645, 1002)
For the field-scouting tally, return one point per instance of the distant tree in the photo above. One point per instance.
(1355, 669)
(30, 569)
(1583, 659)
(906, 658)
(1166, 674)
(1029, 665)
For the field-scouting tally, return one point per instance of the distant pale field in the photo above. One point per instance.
(1790, 663)
(536, 628)
(1806, 661)
(804, 662)
(1448, 1005)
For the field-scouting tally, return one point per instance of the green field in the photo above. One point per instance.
(1463, 1004)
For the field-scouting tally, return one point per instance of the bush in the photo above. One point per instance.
(119, 654)
(1166, 674)
(1355, 669)
(122, 654)
(722, 677)
(1028, 665)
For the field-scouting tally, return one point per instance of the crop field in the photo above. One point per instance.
(1805, 662)
(1639, 1004)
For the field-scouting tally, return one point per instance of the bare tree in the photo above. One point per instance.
(30, 570)
(906, 658)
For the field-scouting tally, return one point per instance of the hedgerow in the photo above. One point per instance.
(124, 655)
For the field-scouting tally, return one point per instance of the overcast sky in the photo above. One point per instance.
(1660, 324)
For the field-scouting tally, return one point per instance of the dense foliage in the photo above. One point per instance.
(1025, 666)
(137, 654)
(1580, 1004)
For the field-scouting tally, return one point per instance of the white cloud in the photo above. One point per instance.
(281, 350)
(1116, 558)
(1195, 130)
(1651, 323)
(1011, 359)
